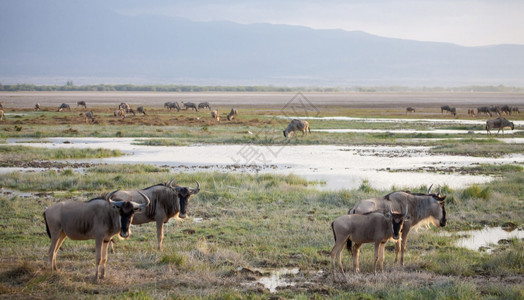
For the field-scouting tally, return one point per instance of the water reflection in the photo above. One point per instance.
(277, 278)
(340, 167)
(482, 239)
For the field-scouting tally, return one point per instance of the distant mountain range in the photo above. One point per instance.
(94, 45)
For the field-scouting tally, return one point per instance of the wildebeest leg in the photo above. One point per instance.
(104, 258)
(356, 252)
(382, 256)
(56, 241)
(403, 247)
(377, 253)
(336, 254)
(98, 256)
(160, 232)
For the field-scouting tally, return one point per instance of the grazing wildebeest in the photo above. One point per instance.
(410, 109)
(506, 109)
(453, 111)
(297, 125)
(471, 112)
(64, 106)
(495, 109)
(89, 116)
(232, 114)
(81, 103)
(483, 109)
(141, 110)
(189, 105)
(1, 115)
(419, 207)
(99, 219)
(515, 109)
(120, 113)
(215, 115)
(500, 124)
(2, 105)
(374, 227)
(172, 105)
(167, 201)
(203, 105)
(445, 108)
(37, 106)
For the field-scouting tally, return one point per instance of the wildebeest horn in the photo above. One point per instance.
(110, 195)
(194, 191)
(439, 190)
(135, 205)
(171, 182)
(429, 189)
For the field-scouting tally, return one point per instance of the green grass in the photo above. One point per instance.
(11, 154)
(249, 221)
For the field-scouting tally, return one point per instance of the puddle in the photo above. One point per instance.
(340, 167)
(484, 238)
(277, 278)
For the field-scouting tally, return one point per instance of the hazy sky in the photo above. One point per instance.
(463, 22)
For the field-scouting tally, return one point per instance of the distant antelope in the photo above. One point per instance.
(81, 103)
(471, 112)
(64, 106)
(215, 115)
(37, 106)
(89, 116)
(410, 109)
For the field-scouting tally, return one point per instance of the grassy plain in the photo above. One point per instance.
(242, 225)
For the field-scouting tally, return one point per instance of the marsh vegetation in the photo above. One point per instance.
(241, 225)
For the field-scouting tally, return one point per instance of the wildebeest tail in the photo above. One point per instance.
(333, 229)
(46, 226)
(309, 129)
(348, 245)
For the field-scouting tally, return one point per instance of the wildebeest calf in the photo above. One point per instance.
(373, 227)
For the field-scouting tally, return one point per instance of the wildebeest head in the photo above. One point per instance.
(184, 194)
(127, 210)
(438, 209)
(397, 219)
(285, 133)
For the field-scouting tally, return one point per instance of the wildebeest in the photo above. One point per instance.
(215, 115)
(1, 115)
(499, 123)
(141, 110)
(506, 109)
(445, 108)
(120, 113)
(453, 111)
(37, 106)
(89, 116)
(167, 201)
(124, 106)
(495, 109)
(471, 112)
(81, 103)
(410, 109)
(99, 219)
(189, 105)
(297, 125)
(172, 105)
(2, 105)
(515, 109)
(232, 114)
(374, 227)
(203, 105)
(483, 109)
(64, 106)
(419, 207)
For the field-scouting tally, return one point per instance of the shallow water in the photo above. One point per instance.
(340, 167)
(276, 279)
(482, 239)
